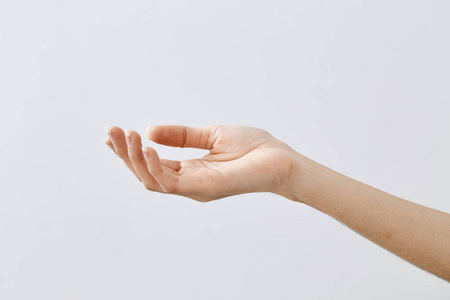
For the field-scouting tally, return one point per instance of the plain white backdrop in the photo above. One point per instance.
(359, 86)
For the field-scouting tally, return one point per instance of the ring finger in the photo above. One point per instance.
(119, 144)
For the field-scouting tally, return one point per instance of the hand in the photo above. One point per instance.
(241, 160)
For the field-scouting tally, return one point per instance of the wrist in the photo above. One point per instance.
(306, 179)
(295, 175)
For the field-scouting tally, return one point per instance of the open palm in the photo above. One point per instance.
(241, 159)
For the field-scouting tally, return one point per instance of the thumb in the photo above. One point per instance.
(182, 136)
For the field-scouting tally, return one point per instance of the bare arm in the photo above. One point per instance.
(416, 233)
(245, 159)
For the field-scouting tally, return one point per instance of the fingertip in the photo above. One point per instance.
(153, 155)
(153, 162)
(114, 130)
(109, 144)
(147, 132)
(144, 151)
(150, 150)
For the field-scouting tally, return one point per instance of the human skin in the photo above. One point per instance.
(245, 159)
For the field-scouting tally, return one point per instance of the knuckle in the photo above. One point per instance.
(215, 127)
(122, 154)
(200, 199)
(139, 159)
(136, 158)
(205, 199)
(148, 186)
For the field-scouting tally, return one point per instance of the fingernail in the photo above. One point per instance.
(145, 153)
(110, 133)
(147, 131)
(128, 137)
(105, 140)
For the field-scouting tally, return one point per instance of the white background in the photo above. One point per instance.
(359, 86)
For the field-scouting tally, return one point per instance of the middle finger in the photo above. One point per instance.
(120, 147)
(140, 164)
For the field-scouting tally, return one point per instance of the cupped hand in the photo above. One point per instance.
(241, 159)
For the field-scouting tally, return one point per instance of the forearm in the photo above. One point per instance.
(416, 233)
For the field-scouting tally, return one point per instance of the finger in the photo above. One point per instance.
(119, 146)
(174, 165)
(164, 176)
(182, 136)
(117, 137)
(140, 164)
(108, 142)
